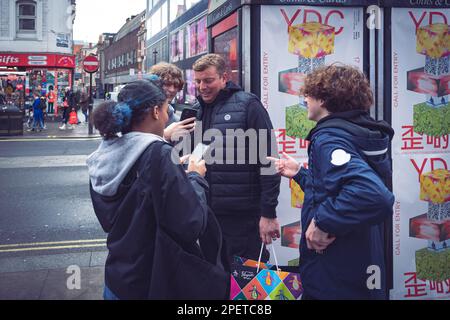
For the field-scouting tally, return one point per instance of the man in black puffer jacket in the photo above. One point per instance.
(243, 194)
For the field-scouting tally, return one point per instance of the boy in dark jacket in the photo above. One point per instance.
(346, 198)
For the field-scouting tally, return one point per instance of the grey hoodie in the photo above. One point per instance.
(110, 163)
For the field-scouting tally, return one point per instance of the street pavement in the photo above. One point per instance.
(51, 244)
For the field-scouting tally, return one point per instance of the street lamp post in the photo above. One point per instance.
(155, 54)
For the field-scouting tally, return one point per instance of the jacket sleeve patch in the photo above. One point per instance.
(340, 157)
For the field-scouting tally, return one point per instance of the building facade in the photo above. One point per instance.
(122, 58)
(36, 42)
(177, 33)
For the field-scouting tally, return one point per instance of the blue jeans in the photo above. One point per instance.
(38, 118)
(109, 295)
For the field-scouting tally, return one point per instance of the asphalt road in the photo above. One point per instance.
(45, 204)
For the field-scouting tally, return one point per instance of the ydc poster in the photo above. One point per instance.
(421, 156)
(295, 40)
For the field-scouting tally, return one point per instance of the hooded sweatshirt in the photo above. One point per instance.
(113, 159)
(122, 198)
(347, 195)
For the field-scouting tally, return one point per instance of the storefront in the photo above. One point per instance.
(226, 25)
(32, 71)
(188, 43)
(179, 36)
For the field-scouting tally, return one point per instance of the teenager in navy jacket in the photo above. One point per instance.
(346, 197)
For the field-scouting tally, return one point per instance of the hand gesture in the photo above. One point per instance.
(197, 166)
(178, 129)
(286, 166)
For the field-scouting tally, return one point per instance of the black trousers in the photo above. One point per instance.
(241, 236)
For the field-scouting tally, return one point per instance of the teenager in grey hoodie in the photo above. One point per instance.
(122, 196)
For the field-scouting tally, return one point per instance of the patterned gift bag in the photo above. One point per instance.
(266, 282)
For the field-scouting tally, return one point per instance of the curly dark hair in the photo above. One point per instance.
(136, 99)
(341, 87)
(169, 74)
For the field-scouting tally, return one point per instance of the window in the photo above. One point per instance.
(226, 45)
(164, 16)
(177, 46)
(158, 21)
(26, 16)
(197, 38)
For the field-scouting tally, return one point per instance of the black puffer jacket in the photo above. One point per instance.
(239, 189)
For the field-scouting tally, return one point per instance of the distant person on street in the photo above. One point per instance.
(2, 97)
(346, 197)
(38, 115)
(69, 102)
(84, 104)
(51, 99)
(124, 197)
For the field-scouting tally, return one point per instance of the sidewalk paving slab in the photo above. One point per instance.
(91, 285)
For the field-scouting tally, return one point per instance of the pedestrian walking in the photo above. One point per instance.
(243, 199)
(38, 114)
(68, 104)
(2, 97)
(84, 104)
(346, 198)
(139, 194)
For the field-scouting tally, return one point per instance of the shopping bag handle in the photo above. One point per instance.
(274, 256)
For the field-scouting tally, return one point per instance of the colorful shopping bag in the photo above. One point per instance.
(268, 282)
(73, 118)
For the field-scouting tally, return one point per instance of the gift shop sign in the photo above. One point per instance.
(36, 60)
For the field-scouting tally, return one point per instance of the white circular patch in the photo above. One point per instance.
(339, 157)
(227, 117)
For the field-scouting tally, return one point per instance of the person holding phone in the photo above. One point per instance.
(172, 81)
(120, 172)
(242, 196)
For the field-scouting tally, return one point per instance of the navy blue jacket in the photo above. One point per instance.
(346, 195)
(129, 219)
(239, 189)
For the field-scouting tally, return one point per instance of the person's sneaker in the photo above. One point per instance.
(44, 128)
(63, 127)
(30, 130)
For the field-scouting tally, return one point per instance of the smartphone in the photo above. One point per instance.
(200, 151)
(188, 113)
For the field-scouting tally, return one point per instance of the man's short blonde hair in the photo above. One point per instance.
(210, 60)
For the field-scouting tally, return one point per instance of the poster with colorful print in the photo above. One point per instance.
(420, 152)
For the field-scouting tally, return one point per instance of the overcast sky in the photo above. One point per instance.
(93, 17)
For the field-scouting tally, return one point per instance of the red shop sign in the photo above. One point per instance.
(36, 60)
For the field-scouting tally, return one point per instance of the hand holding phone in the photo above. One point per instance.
(188, 113)
(200, 151)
